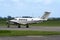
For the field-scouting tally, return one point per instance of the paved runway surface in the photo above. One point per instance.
(32, 28)
(31, 38)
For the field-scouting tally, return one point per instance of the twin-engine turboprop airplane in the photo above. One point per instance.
(27, 21)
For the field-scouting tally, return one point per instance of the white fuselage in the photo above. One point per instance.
(26, 20)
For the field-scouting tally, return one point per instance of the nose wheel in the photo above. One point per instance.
(8, 24)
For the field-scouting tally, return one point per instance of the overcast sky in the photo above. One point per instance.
(33, 8)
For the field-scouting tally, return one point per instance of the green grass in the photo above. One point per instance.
(48, 23)
(27, 33)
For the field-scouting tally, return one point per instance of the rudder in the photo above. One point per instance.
(45, 16)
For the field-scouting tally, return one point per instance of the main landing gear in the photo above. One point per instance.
(19, 25)
(27, 26)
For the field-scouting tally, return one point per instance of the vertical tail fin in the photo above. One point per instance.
(45, 16)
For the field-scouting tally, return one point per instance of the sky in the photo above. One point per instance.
(34, 8)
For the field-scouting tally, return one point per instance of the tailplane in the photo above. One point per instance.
(45, 16)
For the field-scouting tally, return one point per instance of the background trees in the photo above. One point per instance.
(10, 17)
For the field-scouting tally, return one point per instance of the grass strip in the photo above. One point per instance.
(27, 33)
(48, 23)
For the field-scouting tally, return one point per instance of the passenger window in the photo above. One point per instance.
(26, 19)
(32, 19)
(19, 19)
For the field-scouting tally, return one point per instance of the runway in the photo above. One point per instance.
(31, 38)
(37, 28)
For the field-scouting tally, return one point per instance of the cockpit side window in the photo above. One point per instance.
(15, 19)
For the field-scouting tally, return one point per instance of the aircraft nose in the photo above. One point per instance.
(11, 20)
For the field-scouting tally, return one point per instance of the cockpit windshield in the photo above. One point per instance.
(15, 19)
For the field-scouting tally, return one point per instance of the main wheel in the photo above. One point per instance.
(19, 26)
(27, 26)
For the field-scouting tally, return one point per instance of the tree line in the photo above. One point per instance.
(10, 17)
(6, 18)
